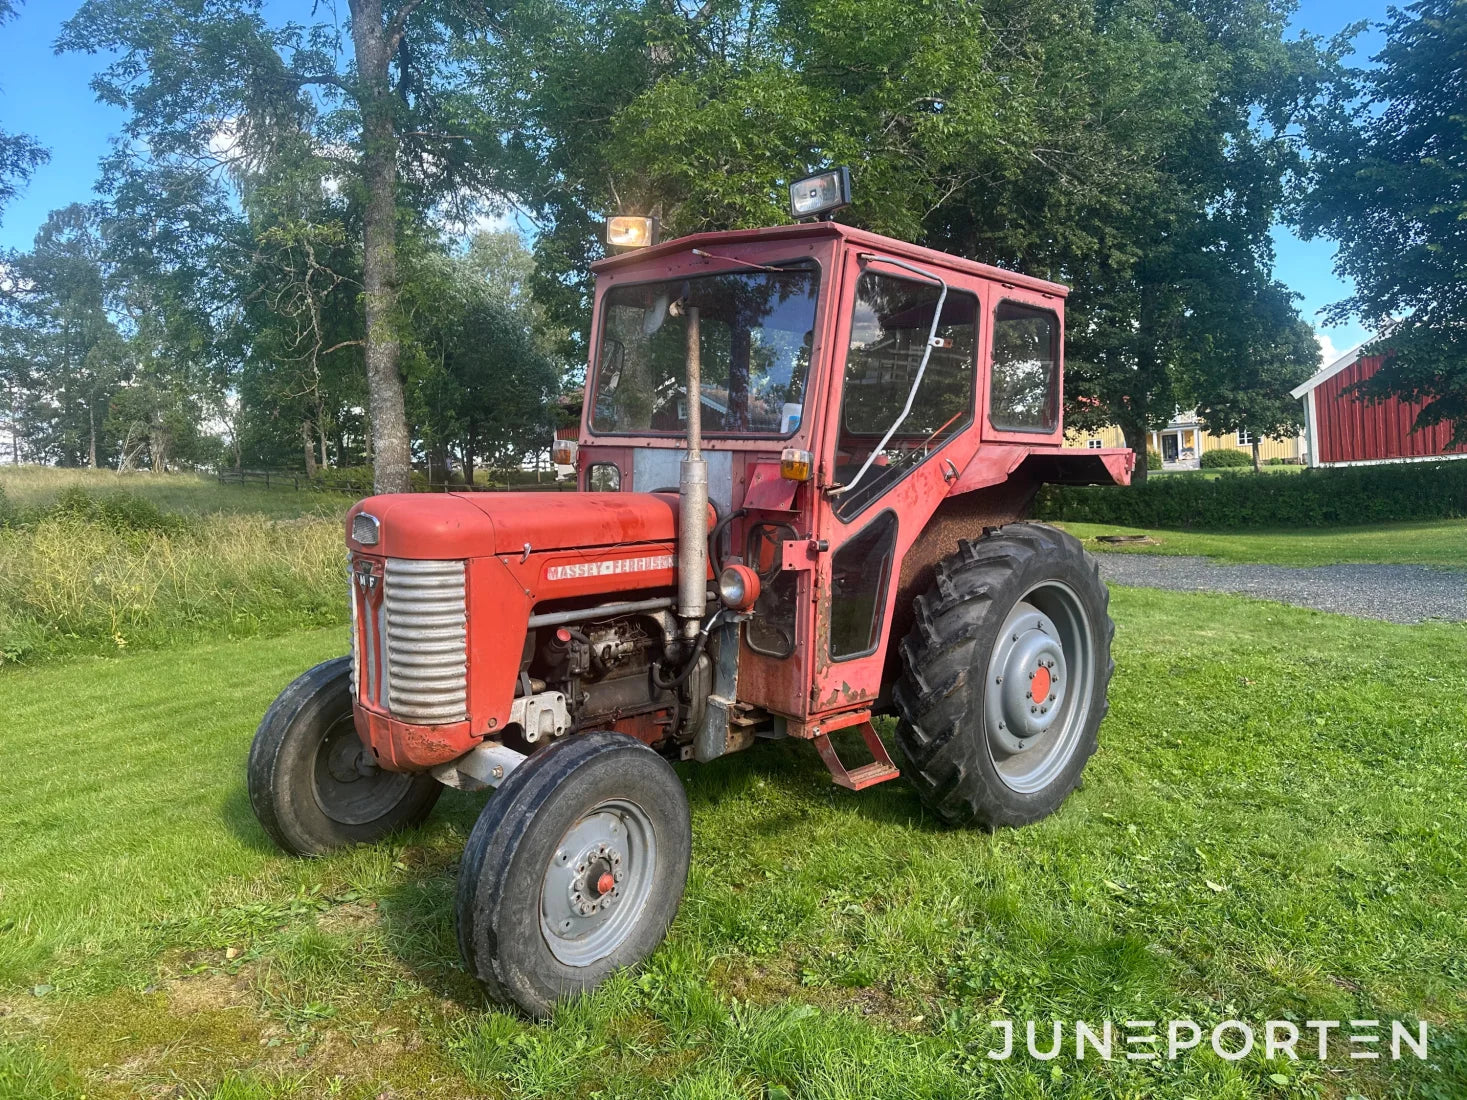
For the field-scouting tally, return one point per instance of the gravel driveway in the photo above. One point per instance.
(1395, 593)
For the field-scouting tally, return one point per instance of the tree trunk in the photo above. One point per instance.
(91, 438)
(1257, 457)
(309, 449)
(468, 462)
(321, 431)
(1137, 438)
(392, 464)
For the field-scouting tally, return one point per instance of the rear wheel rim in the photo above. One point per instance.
(1041, 676)
(597, 882)
(346, 782)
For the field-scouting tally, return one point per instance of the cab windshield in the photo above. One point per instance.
(756, 329)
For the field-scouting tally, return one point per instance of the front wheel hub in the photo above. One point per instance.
(597, 883)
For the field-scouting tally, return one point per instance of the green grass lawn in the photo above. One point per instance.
(1439, 543)
(1273, 829)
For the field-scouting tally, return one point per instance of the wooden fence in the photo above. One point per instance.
(268, 478)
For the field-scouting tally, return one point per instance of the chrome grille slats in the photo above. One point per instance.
(425, 636)
(351, 590)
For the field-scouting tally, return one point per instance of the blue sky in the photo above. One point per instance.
(48, 96)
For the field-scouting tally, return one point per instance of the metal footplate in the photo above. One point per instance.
(867, 775)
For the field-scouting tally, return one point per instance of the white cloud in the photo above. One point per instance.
(1328, 353)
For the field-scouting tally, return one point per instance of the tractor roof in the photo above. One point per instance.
(857, 237)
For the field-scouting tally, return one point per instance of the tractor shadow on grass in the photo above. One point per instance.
(239, 819)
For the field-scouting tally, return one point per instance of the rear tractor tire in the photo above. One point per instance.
(1004, 677)
(574, 870)
(313, 785)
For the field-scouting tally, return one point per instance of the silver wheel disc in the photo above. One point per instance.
(1040, 680)
(598, 882)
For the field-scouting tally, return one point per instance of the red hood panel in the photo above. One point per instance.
(463, 525)
(554, 521)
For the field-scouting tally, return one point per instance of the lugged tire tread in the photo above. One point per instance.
(940, 724)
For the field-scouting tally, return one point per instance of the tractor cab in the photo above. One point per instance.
(804, 456)
(853, 388)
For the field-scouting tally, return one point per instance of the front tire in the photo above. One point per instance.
(1004, 677)
(574, 869)
(313, 785)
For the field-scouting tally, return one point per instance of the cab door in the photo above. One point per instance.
(900, 428)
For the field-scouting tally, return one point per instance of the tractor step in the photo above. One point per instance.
(867, 775)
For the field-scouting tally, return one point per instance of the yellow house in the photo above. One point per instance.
(1183, 440)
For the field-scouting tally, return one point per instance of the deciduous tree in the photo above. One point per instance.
(1388, 181)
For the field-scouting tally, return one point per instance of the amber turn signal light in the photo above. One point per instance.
(563, 452)
(796, 465)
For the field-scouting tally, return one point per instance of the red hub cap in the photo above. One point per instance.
(605, 883)
(1040, 685)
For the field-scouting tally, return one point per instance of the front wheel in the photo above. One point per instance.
(1005, 677)
(313, 785)
(574, 869)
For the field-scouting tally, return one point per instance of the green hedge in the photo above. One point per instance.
(1224, 456)
(1313, 498)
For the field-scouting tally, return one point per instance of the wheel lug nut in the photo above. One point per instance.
(1033, 710)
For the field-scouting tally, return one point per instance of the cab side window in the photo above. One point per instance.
(1025, 381)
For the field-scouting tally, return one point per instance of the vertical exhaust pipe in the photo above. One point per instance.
(692, 534)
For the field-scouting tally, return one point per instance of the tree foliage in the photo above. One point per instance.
(1135, 149)
(212, 84)
(1388, 181)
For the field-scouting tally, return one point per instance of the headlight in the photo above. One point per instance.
(628, 232)
(365, 529)
(822, 195)
(738, 587)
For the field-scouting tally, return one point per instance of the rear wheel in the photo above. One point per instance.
(574, 869)
(1005, 677)
(313, 785)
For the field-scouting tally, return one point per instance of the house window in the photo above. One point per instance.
(1245, 439)
(1095, 443)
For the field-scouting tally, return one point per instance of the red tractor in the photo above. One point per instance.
(803, 455)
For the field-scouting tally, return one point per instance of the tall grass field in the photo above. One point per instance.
(1272, 829)
(94, 563)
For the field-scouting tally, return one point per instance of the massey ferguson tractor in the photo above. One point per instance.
(803, 460)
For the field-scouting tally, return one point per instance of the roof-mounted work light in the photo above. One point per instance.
(624, 231)
(820, 196)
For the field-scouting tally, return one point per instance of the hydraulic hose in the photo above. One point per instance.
(718, 529)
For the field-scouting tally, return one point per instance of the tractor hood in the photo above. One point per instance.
(466, 525)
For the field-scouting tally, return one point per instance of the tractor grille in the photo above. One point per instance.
(409, 641)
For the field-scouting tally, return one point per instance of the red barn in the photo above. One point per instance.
(1341, 431)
